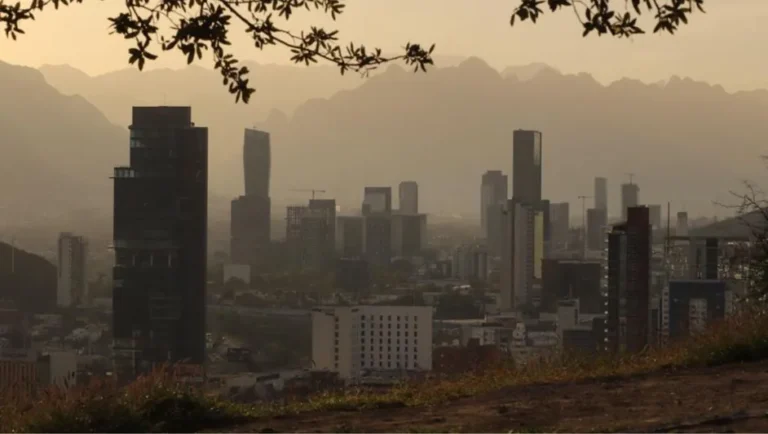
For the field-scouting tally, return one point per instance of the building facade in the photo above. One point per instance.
(629, 263)
(377, 200)
(409, 197)
(597, 220)
(409, 234)
(160, 242)
(526, 162)
(493, 193)
(355, 340)
(72, 282)
(601, 193)
(630, 197)
(349, 236)
(560, 224)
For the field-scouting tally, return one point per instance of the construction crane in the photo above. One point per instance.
(584, 224)
(631, 177)
(313, 190)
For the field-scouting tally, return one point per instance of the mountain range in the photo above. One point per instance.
(686, 142)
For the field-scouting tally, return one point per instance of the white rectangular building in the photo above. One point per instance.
(356, 340)
(72, 283)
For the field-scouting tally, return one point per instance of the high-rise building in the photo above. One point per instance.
(526, 162)
(597, 220)
(495, 221)
(409, 197)
(630, 195)
(72, 282)
(257, 161)
(601, 193)
(654, 212)
(250, 228)
(251, 214)
(682, 224)
(327, 208)
(560, 224)
(470, 262)
(493, 193)
(568, 280)
(522, 255)
(629, 263)
(377, 200)
(377, 239)
(307, 235)
(160, 242)
(409, 234)
(349, 236)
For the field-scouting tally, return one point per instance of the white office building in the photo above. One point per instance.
(355, 341)
(72, 284)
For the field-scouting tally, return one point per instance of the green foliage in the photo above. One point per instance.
(193, 27)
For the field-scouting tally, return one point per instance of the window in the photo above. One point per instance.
(362, 325)
(336, 350)
(415, 342)
(389, 317)
(398, 334)
(415, 318)
(389, 365)
(362, 363)
(381, 317)
(406, 342)
(371, 342)
(406, 334)
(362, 317)
(398, 343)
(337, 358)
(389, 333)
(389, 326)
(398, 317)
(398, 326)
(415, 356)
(389, 341)
(362, 333)
(337, 336)
(362, 341)
(406, 325)
(415, 350)
(415, 334)
(381, 364)
(381, 341)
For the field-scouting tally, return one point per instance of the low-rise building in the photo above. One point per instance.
(356, 340)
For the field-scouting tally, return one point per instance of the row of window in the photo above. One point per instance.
(389, 365)
(389, 356)
(389, 342)
(381, 326)
(381, 333)
(389, 317)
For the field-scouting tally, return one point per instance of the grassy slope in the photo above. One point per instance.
(157, 403)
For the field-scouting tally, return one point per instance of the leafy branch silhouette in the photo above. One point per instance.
(196, 26)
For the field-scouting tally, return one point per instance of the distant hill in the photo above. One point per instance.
(57, 151)
(26, 279)
(686, 141)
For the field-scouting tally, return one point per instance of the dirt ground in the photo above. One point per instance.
(726, 399)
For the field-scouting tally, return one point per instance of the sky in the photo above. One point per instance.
(724, 46)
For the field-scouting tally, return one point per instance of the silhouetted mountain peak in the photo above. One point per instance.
(527, 72)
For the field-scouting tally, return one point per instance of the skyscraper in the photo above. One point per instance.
(250, 214)
(682, 224)
(257, 161)
(526, 162)
(409, 234)
(72, 284)
(654, 212)
(409, 197)
(522, 256)
(377, 200)
(493, 193)
(601, 193)
(160, 221)
(327, 208)
(560, 224)
(630, 196)
(349, 236)
(597, 220)
(629, 262)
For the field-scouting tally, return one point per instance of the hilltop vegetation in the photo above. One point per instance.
(688, 370)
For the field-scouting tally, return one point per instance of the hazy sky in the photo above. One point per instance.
(726, 45)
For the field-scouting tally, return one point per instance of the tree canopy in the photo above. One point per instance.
(193, 27)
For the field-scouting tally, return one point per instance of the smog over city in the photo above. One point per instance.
(383, 216)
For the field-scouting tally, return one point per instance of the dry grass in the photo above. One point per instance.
(160, 403)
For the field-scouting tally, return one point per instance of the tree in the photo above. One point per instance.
(194, 26)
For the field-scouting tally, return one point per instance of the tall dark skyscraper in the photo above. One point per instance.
(601, 193)
(409, 197)
(597, 220)
(526, 163)
(257, 161)
(250, 219)
(493, 195)
(629, 263)
(630, 196)
(160, 222)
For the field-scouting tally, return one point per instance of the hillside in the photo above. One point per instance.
(726, 399)
(30, 282)
(58, 151)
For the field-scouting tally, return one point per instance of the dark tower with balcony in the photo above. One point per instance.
(160, 221)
